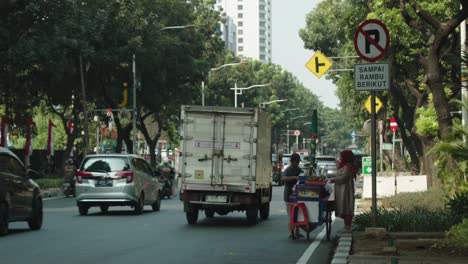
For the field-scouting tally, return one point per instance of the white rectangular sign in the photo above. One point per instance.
(371, 76)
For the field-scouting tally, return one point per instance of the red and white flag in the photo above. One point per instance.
(4, 132)
(29, 138)
(70, 127)
(50, 139)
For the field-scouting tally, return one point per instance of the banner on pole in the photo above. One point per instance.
(50, 139)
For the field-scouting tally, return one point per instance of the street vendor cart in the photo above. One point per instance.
(311, 205)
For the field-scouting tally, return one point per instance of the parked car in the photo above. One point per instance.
(327, 166)
(116, 180)
(20, 196)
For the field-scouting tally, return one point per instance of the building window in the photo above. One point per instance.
(240, 23)
(262, 57)
(262, 7)
(262, 49)
(240, 40)
(262, 40)
(240, 31)
(240, 48)
(240, 15)
(262, 32)
(262, 15)
(240, 7)
(262, 24)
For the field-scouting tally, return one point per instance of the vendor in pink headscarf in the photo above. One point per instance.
(344, 187)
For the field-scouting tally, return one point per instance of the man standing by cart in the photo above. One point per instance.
(290, 177)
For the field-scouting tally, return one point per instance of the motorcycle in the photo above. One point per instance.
(166, 183)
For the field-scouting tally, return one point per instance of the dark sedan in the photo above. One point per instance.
(20, 196)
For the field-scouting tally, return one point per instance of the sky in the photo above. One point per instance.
(288, 16)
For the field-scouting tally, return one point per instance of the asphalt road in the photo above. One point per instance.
(119, 236)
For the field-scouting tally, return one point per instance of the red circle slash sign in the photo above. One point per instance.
(371, 40)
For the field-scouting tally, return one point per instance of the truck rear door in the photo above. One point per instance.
(219, 147)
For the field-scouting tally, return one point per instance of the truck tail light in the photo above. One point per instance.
(82, 174)
(126, 174)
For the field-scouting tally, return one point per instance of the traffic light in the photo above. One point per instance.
(124, 101)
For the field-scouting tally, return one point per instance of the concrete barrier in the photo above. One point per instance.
(386, 185)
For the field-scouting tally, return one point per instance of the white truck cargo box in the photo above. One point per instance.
(225, 161)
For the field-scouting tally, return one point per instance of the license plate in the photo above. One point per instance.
(216, 198)
(105, 183)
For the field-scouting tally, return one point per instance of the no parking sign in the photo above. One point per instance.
(372, 40)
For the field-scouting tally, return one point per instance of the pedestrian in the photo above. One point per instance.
(344, 187)
(290, 177)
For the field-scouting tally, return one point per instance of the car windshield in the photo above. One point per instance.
(107, 164)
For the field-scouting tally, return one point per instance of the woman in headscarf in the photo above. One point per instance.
(344, 187)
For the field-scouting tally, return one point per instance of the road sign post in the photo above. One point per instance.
(371, 42)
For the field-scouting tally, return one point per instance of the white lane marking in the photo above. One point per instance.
(310, 250)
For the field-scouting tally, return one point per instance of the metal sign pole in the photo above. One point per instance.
(374, 163)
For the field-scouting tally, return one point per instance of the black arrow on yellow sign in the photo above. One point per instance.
(319, 64)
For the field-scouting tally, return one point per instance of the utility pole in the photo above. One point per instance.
(85, 107)
(134, 104)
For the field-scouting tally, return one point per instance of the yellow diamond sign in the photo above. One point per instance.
(319, 64)
(378, 104)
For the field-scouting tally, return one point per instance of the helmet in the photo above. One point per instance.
(165, 160)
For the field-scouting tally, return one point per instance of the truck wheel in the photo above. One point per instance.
(192, 217)
(104, 208)
(209, 213)
(3, 219)
(83, 209)
(264, 211)
(252, 215)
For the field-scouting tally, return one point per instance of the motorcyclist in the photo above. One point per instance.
(167, 172)
(69, 177)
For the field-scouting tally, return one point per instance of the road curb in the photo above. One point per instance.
(344, 247)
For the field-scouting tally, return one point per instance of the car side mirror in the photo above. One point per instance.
(33, 174)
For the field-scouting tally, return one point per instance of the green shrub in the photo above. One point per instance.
(458, 204)
(407, 220)
(432, 200)
(457, 236)
(47, 183)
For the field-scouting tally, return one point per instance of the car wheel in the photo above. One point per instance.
(264, 211)
(157, 204)
(104, 208)
(209, 213)
(35, 222)
(83, 209)
(252, 215)
(139, 206)
(3, 219)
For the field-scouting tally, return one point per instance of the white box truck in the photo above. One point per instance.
(225, 161)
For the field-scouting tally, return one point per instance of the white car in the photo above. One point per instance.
(114, 180)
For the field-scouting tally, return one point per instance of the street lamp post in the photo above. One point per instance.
(263, 105)
(287, 124)
(238, 90)
(135, 84)
(216, 69)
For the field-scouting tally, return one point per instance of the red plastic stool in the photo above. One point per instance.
(294, 223)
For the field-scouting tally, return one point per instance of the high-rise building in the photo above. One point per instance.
(253, 20)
